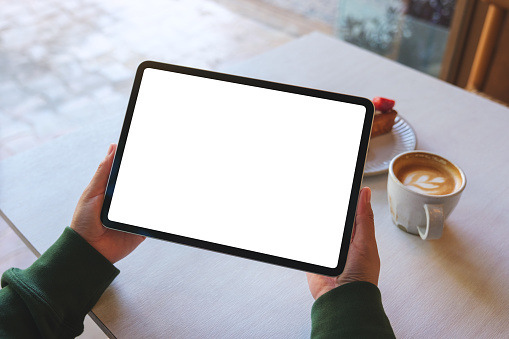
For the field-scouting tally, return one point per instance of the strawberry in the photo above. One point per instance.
(383, 104)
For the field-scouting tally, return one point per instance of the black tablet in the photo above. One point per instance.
(252, 168)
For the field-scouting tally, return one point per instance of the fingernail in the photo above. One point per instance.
(110, 150)
(367, 194)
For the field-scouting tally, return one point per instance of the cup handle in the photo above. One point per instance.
(434, 222)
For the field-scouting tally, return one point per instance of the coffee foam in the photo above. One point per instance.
(428, 174)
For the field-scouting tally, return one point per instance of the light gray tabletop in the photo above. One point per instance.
(452, 287)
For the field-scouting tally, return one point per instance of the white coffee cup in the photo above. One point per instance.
(423, 188)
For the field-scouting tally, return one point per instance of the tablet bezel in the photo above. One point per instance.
(285, 262)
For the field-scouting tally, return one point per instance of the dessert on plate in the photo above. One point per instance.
(384, 116)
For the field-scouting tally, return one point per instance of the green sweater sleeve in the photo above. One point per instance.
(352, 310)
(51, 298)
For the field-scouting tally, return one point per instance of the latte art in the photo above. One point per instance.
(427, 184)
(423, 175)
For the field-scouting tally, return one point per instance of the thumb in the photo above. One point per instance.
(364, 219)
(97, 185)
(363, 261)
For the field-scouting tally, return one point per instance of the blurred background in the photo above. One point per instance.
(65, 64)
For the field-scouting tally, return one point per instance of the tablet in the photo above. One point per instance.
(251, 168)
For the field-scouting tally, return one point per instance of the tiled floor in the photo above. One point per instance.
(65, 64)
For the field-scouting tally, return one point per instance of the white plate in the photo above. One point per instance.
(385, 147)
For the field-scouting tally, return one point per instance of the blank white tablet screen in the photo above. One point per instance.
(242, 166)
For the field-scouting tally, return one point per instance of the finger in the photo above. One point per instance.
(364, 218)
(98, 183)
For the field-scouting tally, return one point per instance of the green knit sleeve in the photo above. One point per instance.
(352, 310)
(51, 298)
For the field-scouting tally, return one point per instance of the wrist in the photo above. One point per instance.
(324, 290)
(347, 280)
(95, 244)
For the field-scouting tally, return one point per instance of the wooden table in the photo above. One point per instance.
(455, 287)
